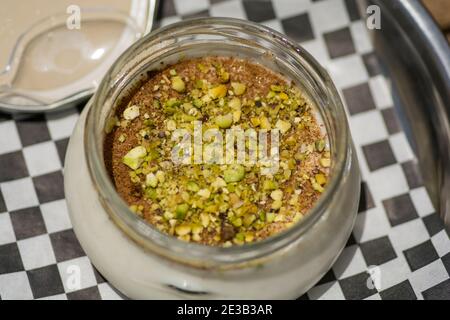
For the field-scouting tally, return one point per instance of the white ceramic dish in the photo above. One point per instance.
(54, 53)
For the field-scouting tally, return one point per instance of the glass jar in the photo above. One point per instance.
(145, 263)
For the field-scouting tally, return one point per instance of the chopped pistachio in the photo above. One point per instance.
(224, 121)
(320, 145)
(238, 88)
(237, 222)
(199, 84)
(325, 162)
(135, 157)
(197, 229)
(192, 186)
(264, 123)
(283, 126)
(171, 125)
(131, 113)
(276, 88)
(219, 183)
(149, 123)
(276, 194)
(270, 217)
(168, 215)
(283, 96)
(235, 103)
(172, 103)
(204, 193)
(181, 210)
(217, 92)
(183, 229)
(202, 67)
(198, 103)
(204, 218)
(298, 216)
(178, 84)
(321, 179)
(237, 115)
(151, 180)
(249, 219)
(153, 154)
(269, 185)
(276, 204)
(316, 186)
(249, 237)
(234, 173)
(161, 176)
(151, 193)
(224, 76)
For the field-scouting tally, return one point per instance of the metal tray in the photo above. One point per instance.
(416, 57)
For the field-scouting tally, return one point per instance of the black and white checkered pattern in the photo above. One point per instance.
(396, 230)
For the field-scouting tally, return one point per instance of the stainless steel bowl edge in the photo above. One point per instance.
(417, 60)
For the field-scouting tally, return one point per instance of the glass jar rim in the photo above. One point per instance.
(171, 247)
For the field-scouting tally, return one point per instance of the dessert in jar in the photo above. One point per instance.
(223, 230)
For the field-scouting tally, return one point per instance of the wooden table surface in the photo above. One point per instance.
(440, 10)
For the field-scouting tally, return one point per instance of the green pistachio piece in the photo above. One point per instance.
(198, 103)
(234, 173)
(320, 145)
(183, 229)
(181, 210)
(235, 103)
(321, 179)
(270, 217)
(237, 222)
(204, 193)
(264, 123)
(283, 126)
(153, 154)
(276, 88)
(173, 102)
(238, 88)
(262, 216)
(316, 186)
(217, 92)
(135, 157)
(178, 84)
(269, 185)
(151, 180)
(276, 204)
(276, 194)
(131, 113)
(149, 123)
(240, 236)
(224, 77)
(248, 220)
(202, 68)
(192, 186)
(325, 162)
(151, 193)
(224, 121)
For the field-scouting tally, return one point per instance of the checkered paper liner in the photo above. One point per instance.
(397, 229)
